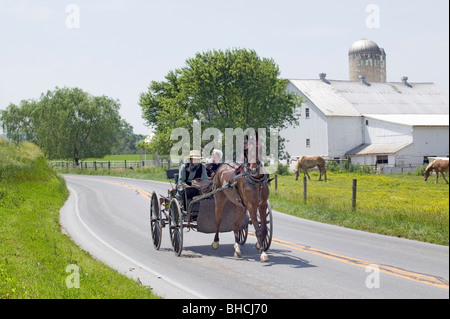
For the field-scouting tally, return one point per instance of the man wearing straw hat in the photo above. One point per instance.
(192, 170)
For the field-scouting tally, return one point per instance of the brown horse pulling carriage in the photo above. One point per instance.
(239, 197)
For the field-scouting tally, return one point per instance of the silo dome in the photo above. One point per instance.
(364, 46)
(367, 61)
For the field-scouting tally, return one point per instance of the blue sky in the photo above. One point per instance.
(120, 46)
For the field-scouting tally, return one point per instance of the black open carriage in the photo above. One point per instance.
(196, 211)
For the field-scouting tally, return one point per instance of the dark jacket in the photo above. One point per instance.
(189, 172)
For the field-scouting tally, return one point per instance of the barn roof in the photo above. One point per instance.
(377, 149)
(348, 98)
(416, 120)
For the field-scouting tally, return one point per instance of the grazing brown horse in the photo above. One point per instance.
(306, 162)
(439, 166)
(250, 191)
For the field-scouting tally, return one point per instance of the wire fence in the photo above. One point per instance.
(125, 164)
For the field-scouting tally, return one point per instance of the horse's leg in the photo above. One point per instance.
(437, 175)
(323, 171)
(305, 172)
(254, 219)
(219, 204)
(320, 173)
(240, 215)
(263, 231)
(443, 175)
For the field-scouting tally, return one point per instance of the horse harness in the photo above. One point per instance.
(244, 171)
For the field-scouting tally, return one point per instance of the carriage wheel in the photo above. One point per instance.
(155, 220)
(176, 227)
(241, 236)
(269, 222)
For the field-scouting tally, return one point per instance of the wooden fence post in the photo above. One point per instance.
(305, 190)
(276, 181)
(354, 194)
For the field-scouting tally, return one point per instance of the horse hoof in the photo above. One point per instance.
(237, 251)
(264, 257)
(215, 245)
(258, 246)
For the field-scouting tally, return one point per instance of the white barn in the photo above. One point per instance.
(396, 124)
(368, 120)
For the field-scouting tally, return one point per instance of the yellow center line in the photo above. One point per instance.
(136, 189)
(390, 270)
(394, 271)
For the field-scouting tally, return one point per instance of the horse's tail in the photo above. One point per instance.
(323, 164)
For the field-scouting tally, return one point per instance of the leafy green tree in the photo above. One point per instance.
(127, 141)
(66, 123)
(17, 121)
(222, 89)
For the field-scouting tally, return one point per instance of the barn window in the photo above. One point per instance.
(308, 142)
(307, 113)
(383, 159)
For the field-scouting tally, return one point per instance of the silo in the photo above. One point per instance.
(367, 59)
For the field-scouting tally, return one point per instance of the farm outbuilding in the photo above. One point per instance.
(388, 124)
(402, 140)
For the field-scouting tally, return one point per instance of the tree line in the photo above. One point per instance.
(68, 123)
(222, 89)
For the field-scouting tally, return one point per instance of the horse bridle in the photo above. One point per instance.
(253, 176)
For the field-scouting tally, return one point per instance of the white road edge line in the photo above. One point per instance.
(137, 263)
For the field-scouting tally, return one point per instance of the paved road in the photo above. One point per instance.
(109, 217)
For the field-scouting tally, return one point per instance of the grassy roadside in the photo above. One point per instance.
(397, 205)
(34, 254)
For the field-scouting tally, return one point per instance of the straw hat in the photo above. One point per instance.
(195, 154)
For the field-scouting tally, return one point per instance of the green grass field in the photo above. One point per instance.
(397, 205)
(34, 254)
